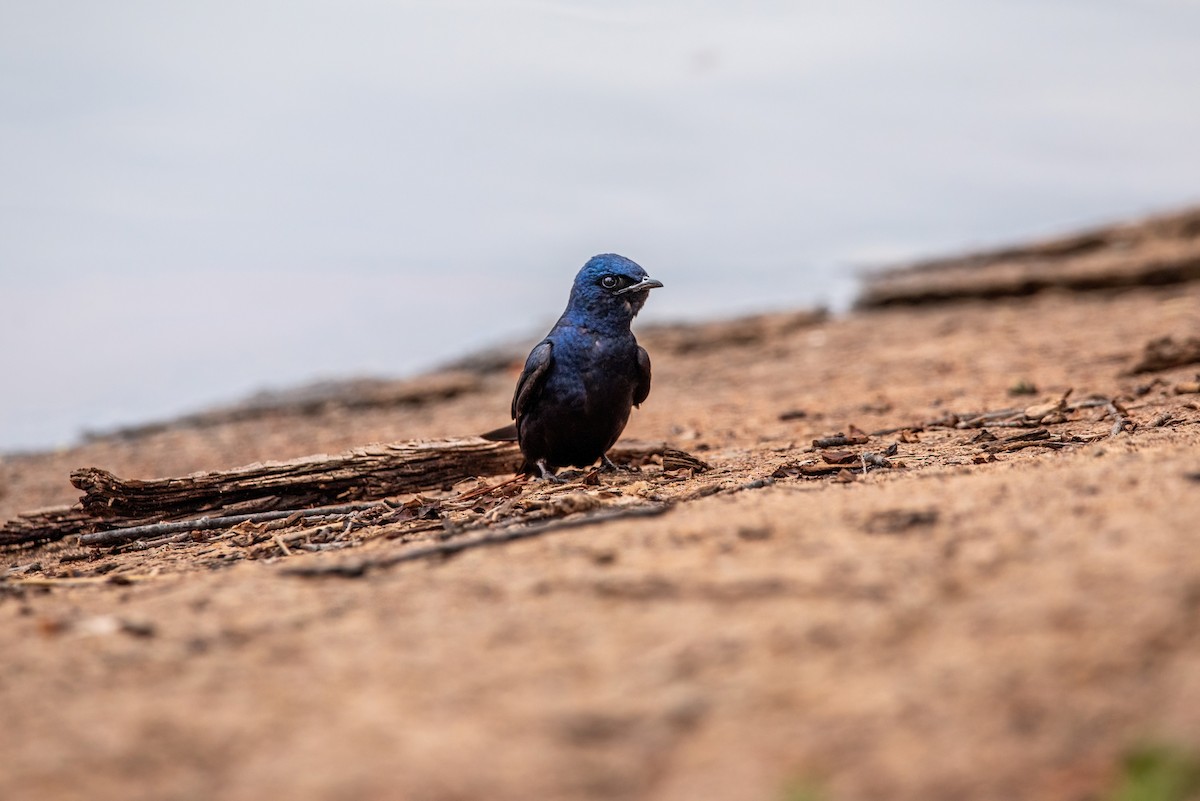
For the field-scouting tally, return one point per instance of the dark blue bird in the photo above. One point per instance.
(579, 383)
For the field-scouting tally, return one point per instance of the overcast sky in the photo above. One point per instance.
(202, 200)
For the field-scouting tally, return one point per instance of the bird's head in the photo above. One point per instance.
(611, 288)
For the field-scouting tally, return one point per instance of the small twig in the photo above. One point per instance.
(489, 489)
(358, 567)
(1039, 437)
(838, 440)
(976, 419)
(1038, 433)
(167, 540)
(304, 533)
(887, 432)
(1120, 421)
(1088, 403)
(282, 545)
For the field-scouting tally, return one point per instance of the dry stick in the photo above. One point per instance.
(1121, 422)
(282, 545)
(296, 536)
(1088, 403)
(145, 545)
(118, 535)
(357, 568)
(1038, 433)
(975, 419)
(488, 489)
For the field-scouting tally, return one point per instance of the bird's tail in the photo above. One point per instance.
(506, 433)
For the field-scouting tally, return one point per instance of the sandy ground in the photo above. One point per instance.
(970, 623)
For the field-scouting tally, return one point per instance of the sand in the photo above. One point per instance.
(971, 622)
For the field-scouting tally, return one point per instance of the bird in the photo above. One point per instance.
(580, 383)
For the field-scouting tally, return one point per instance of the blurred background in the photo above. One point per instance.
(205, 200)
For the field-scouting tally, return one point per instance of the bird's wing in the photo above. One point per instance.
(539, 361)
(641, 390)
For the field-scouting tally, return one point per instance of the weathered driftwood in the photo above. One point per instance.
(368, 473)
(1153, 252)
(362, 474)
(45, 525)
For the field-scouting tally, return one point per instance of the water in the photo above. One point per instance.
(200, 201)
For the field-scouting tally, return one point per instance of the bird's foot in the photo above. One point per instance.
(547, 474)
(609, 466)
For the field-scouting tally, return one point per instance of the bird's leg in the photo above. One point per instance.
(609, 466)
(548, 474)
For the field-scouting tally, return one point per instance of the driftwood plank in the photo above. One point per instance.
(45, 525)
(366, 473)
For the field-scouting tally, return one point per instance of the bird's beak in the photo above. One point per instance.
(644, 285)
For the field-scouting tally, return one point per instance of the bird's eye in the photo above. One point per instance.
(610, 282)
